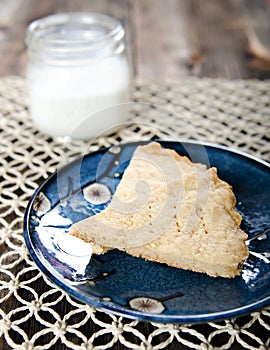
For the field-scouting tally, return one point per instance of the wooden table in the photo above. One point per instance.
(165, 38)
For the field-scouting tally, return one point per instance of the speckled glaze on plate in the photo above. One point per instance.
(132, 287)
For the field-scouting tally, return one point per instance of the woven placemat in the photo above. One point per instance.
(34, 313)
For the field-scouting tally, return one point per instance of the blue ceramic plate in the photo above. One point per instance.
(133, 287)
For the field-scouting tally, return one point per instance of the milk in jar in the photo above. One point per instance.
(78, 77)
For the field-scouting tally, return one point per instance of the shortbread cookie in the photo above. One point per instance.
(169, 210)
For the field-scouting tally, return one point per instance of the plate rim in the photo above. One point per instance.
(117, 309)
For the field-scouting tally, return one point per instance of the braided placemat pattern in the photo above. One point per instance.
(35, 314)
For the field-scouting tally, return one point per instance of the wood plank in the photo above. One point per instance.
(256, 25)
(219, 37)
(165, 39)
(191, 37)
(161, 45)
(220, 46)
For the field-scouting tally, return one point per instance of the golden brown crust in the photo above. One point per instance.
(180, 214)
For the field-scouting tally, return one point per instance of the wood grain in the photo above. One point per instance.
(165, 39)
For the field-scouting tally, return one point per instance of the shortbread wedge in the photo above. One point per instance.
(169, 210)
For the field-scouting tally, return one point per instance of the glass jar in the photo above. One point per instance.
(77, 69)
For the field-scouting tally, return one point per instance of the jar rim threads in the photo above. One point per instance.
(75, 35)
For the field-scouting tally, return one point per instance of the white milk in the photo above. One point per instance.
(61, 98)
(78, 76)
